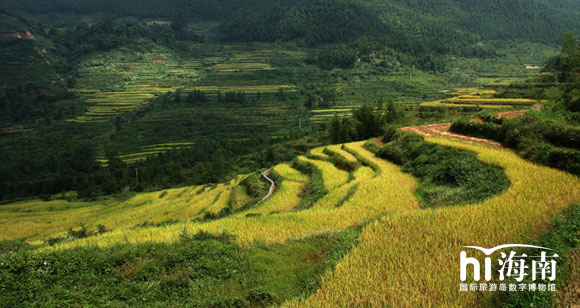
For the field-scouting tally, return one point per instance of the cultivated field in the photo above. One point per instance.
(122, 81)
(480, 99)
(406, 254)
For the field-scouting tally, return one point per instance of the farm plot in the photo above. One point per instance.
(323, 115)
(122, 81)
(148, 151)
(388, 192)
(410, 257)
(39, 220)
(480, 99)
(407, 256)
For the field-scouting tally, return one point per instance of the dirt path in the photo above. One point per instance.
(516, 113)
(442, 130)
(265, 175)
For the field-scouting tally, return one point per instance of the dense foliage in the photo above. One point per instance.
(316, 22)
(366, 122)
(418, 26)
(200, 270)
(447, 176)
(543, 141)
(182, 9)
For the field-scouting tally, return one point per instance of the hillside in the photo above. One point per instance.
(289, 153)
(26, 55)
(441, 26)
(402, 234)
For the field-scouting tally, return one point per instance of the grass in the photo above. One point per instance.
(439, 104)
(342, 194)
(148, 150)
(568, 292)
(493, 101)
(318, 153)
(37, 221)
(286, 198)
(406, 256)
(285, 171)
(253, 89)
(34, 219)
(121, 81)
(346, 155)
(562, 236)
(478, 99)
(200, 270)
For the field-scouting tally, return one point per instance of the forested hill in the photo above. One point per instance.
(199, 10)
(337, 21)
(404, 22)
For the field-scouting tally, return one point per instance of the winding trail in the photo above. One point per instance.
(265, 175)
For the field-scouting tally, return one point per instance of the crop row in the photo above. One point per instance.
(411, 258)
(389, 192)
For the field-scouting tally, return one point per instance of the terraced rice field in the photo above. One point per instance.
(119, 81)
(406, 255)
(37, 220)
(253, 89)
(147, 151)
(410, 257)
(278, 221)
(324, 115)
(331, 175)
(480, 98)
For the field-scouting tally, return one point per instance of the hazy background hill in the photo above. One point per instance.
(323, 21)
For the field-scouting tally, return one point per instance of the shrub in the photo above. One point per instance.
(534, 138)
(447, 176)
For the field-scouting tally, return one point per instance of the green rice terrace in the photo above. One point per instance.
(122, 81)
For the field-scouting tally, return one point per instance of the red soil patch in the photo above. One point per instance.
(442, 130)
(159, 61)
(511, 114)
(378, 142)
(17, 35)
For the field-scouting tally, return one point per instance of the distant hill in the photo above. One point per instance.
(417, 26)
(26, 57)
(32, 84)
(438, 25)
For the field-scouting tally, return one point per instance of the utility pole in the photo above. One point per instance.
(136, 176)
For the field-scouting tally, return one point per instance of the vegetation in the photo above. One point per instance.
(545, 141)
(397, 252)
(368, 200)
(448, 176)
(562, 236)
(199, 270)
(135, 139)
